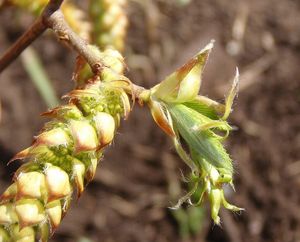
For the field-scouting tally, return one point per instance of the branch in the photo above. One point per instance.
(53, 18)
(36, 29)
(61, 28)
(63, 31)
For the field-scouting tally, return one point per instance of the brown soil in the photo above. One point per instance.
(128, 200)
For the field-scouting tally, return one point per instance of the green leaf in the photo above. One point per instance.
(204, 142)
(202, 108)
(206, 106)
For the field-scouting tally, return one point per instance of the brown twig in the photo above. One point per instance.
(58, 24)
(53, 18)
(36, 29)
(24, 41)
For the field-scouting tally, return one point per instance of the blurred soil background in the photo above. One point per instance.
(140, 175)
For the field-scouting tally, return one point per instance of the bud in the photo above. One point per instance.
(82, 72)
(78, 174)
(85, 93)
(109, 75)
(30, 212)
(44, 230)
(112, 65)
(4, 235)
(113, 59)
(21, 155)
(90, 173)
(84, 136)
(58, 183)
(121, 82)
(105, 126)
(69, 111)
(110, 58)
(126, 104)
(23, 234)
(53, 137)
(66, 202)
(54, 212)
(41, 151)
(9, 193)
(31, 185)
(7, 214)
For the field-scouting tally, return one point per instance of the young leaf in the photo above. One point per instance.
(184, 84)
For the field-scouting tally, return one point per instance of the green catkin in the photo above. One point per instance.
(63, 158)
(109, 23)
(75, 17)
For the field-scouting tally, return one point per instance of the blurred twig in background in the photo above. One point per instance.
(39, 77)
(235, 46)
(190, 220)
(35, 30)
(84, 239)
(183, 2)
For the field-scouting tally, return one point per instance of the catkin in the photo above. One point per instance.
(109, 22)
(63, 157)
(75, 17)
